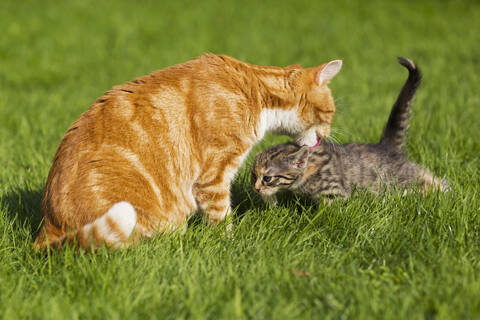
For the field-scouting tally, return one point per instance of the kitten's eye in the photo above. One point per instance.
(267, 178)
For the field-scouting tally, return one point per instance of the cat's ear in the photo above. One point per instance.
(298, 160)
(327, 71)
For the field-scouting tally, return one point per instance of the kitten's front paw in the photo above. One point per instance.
(271, 200)
(330, 197)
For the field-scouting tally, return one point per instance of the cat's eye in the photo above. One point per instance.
(267, 179)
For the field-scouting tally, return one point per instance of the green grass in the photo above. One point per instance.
(402, 258)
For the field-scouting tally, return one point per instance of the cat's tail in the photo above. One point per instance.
(113, 229)
(395, 130)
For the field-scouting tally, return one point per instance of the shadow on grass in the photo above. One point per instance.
(23, 207)
(244, 198)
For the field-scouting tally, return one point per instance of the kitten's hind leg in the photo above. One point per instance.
(429, 182)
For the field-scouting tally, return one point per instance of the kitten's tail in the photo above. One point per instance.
(113, 229)
(395, 130)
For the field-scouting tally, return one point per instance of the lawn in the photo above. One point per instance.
(383, 257)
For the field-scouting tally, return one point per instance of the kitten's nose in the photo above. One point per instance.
(257, 187)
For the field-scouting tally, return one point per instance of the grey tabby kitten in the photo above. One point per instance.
(334, 170)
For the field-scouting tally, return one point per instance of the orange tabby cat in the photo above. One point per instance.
(151, 152)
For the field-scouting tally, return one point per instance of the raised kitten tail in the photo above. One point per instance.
(395, 130)
(113, 229)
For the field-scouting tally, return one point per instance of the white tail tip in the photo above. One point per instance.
(124, 215)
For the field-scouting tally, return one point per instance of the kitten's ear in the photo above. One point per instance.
(298, 160)
(327, 71)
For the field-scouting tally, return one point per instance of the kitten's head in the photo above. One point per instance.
(278, 167)
(313, 102)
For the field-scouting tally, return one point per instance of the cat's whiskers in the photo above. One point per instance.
(335, 142)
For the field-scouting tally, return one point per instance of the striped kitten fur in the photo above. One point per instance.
(153, 151)
(334, 170)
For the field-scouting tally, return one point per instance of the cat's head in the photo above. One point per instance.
(278, 167)
(312, 106)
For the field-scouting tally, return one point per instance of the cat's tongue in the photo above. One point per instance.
(319, 140)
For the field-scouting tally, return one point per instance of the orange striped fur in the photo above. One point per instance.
(151, 152)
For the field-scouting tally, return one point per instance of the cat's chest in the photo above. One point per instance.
(279, 121)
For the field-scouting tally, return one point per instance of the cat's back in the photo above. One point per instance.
(157, 106)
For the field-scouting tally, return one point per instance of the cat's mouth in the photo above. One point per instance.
(312, 138)
(319, 141)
